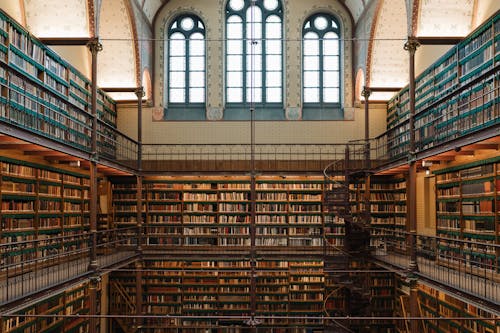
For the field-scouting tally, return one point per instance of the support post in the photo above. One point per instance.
(366, 214)
(411, 46)
(94, 46)
(139, 92)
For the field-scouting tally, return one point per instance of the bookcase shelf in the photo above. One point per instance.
(213, 212)
(438, 304)
(467, 200)
(40, 202)
(387, 210)
(72, 302)
(449, 99)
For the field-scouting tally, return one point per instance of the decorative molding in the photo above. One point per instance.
(135, 41)
(158, 113)
(215, 113)
(371, 42)
(414, 17)
(293, 113)
(91, 18)
(349, 113)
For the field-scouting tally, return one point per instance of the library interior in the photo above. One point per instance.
(249, 166)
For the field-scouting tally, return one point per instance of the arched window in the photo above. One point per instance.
(321, 61)
(254, 52)
(186, 61)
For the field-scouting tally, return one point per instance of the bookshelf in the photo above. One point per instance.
(467, 195)
(73, 302)
(451, 97)
(438, 304)
(41, 203)
(387, 210)
(213, 212)
(43, 93)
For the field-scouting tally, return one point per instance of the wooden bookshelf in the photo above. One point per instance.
(438, 304)
(387, 210)
(467, 195)
(441, 114)
(41, 92)
(70, 304)
(41, 203)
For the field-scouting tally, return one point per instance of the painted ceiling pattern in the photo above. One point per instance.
(70, 18)
(440, 17)
(389, 61)
(117, 61)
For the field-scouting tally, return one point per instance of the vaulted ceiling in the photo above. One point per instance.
(381, 28)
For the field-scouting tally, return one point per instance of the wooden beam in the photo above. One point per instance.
(441, 158)
(118, 89)
(439, 40)
(20, 146)
(73, 41)
(478, 146)
(44, 153)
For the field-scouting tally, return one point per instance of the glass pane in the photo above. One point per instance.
(321, 23)
(254, 79)
(177, 95)
(254, 95)
(334, 24)
(177, 79)
(234, 95)
(234, 63)
(273, 62)
(331, 63)
(331, 44)
(273, 79)
(273, 95)
(311, 44)
(196, 63)
(197, 44)
(234, 27)
(236, 4)
(273, 27)
(273, 47)
(234, 47)
(234, 79)
(311, 79)
(197, 79)
(177, 45)
(331, 79)
(331, 95)
(311, 63)
(177, 63)
(254, 31)
(187, 23)
(311, 95)
(254, 14)
(254, 62)
(197, 95)
(255, 48)
(270, 4)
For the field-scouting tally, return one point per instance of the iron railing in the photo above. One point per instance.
(31, 266)
(471, 267)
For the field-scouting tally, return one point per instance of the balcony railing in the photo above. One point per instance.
(31, 266)
(472, 267)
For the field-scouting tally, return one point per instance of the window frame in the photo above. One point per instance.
(321, 105)
(186, 109)
(245, 52)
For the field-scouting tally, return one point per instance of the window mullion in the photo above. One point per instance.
(186, 74)
(321, 71)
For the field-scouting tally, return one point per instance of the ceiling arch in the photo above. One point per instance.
(116, 63)
(388, 64)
